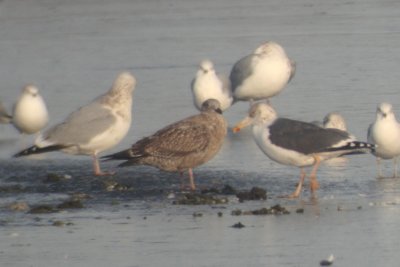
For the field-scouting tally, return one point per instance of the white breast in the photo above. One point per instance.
(30, 114)
(276, 153)
(386, 135)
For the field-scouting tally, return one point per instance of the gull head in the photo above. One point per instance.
(335, 120)
(259, 113)
(31, 90)
(211, 105)
(206, 66)
(384, 110)
(269, 48)
(124, 83)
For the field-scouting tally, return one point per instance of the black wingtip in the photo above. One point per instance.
(126, 163)
(122, 155)
(38, 150)
(355, 147)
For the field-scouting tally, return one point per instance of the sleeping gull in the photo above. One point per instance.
(262, 74)
(334, 120)
(93, 128)
(208, 84)
(30, 112)
(182, 145)
(298, 143)
(4, 116)
(385, 133)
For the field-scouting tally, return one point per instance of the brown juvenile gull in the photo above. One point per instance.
(182, 145)
(262, 74)
(208, 84)
(30, 112)
(93, 128)
(298, 143)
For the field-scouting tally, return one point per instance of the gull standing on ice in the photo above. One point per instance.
(385, 133)
(30, 112)
(209, 85)
(98, 126)
(182, 145)
(262, 74)
(298, 143)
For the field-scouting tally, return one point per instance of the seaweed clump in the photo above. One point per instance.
(274, 210)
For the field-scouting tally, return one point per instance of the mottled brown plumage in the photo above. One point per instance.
(182, 145)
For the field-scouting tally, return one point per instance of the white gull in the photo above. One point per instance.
(385, 133)
(262, 74)
(30, 112)
(95, 127)
(209, 85)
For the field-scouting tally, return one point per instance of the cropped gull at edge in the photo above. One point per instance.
(385, 133)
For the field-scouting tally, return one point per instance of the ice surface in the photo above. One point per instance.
(347, 55)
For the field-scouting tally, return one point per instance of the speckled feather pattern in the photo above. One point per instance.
(182, 145)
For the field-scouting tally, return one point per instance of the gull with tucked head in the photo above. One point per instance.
(95, 127)
(335, 121)
(298, 143)
(262, 74)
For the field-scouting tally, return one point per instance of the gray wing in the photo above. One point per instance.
(82, 125)
(292, 70)
(304, 137)
(241, 71)
(192, 84)
(226, 85)
(370, 139)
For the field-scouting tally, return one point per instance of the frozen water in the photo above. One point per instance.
(347, 55)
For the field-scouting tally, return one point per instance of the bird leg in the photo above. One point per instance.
(314, 185)
(191, 179)
(378, 162)
(297, 192)
(182, 180)
(395, 167)
(96, 167)
(192, 186)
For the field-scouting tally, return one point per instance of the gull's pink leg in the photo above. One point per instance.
(96, 167)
